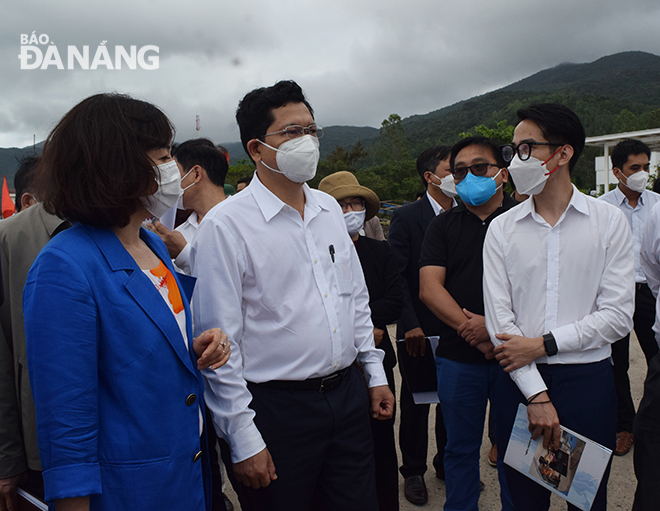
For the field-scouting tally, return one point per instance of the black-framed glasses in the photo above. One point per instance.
(478, 169)
(524, 150)
(295, 131)
(354, 205)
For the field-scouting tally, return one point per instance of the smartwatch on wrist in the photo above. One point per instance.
(550, 344)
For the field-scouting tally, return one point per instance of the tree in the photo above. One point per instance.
(503, 133)
(393, 142)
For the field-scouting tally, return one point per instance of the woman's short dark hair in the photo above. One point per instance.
(94, 166)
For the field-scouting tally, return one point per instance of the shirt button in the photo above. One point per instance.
(335, 330)
(314, 261)
(197, 456)
(190, 400)
(326, 295)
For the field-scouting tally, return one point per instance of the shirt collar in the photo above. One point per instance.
(622, 199)
(578, 202)
(270, 204)
(437, 208)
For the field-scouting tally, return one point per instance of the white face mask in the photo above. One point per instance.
(636, 182)
(529, 176)
(168, 192)
(297, 159)
(447, 185)
(354, 221)
(179, 203)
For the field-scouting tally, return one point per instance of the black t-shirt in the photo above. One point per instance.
(455, 241)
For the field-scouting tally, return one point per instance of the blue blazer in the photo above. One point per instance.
(116, 392)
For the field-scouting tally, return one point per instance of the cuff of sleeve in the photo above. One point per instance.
(567, 338)
(529, 381)
(374, 374)
(12, 467)
(245, 443)
(72, 481)
(183, 259)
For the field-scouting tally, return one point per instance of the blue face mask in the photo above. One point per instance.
(476, 190)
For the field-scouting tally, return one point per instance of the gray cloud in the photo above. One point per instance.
(357, 61)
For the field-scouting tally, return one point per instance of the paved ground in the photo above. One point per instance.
(622, 481)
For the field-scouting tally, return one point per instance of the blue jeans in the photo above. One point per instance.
(464, 390)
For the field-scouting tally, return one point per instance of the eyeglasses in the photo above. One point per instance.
(295, 131)
(354, 205)
(524, 150)
(478, 169)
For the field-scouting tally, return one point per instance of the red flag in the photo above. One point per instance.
(8, 208)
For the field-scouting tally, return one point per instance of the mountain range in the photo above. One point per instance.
(619, 92)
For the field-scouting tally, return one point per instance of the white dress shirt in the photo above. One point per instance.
(437, 208)
(188, 229)
(575, 279)
(649, 258)
(268, 279)
(636, 217)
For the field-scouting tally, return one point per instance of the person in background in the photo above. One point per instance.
(630, 165)
(646, 426)
(242, 183)
(385, 286)
(450, 275)
(23, 183)
(406, 234)
(203, 170)
(22, 237)
(114, 369)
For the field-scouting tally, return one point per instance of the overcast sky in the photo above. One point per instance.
(358, 61)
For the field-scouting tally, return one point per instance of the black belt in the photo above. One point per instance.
(321, 385)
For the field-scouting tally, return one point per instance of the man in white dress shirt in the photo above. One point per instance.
(282, 276)
(203, 170)
(559, 290)
(630, 165)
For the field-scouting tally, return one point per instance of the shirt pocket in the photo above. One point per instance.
(343, 274)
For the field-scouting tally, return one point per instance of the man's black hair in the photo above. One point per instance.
(625, 148)
(491, 144)
(429, 158)
(559, 124)
(23, 177)
(203, 152)
(255, 111)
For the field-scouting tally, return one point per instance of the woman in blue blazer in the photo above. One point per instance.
(114, 369)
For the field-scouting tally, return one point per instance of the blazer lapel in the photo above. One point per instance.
(144, 292)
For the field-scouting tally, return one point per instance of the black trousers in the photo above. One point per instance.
(322, 449)
(387, 473)
(584, 397)
(643, 319)
(413, 431)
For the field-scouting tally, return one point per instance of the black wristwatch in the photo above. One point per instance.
(550, 344)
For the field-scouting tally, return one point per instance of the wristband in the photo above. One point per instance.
(550, 344)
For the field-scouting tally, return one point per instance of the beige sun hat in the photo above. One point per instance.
(344, 184)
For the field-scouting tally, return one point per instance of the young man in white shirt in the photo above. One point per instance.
(203, 170)
(631, 165)
(558, 290)
(282, 276)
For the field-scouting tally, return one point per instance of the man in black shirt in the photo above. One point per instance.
(451, 270)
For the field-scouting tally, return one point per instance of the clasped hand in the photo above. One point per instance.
(212, 349)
